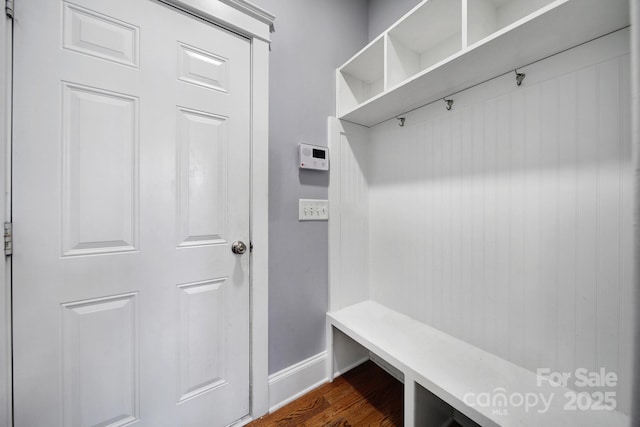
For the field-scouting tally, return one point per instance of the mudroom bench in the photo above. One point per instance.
(445, 377)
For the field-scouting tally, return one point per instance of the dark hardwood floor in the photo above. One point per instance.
(364, 396)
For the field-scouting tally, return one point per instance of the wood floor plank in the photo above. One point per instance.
(369, 384)
(364, 396)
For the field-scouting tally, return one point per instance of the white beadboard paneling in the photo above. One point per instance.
(586, 219)
(532, 226)
(434, 231)
(506, 221)
(517, 230)
(566, 225)
(349, 214)
(477, 232)
(546, 172)
(503, 239)
(456, 221)
(355, 229)
(466, 302)
(492, 180)
(609, 234)
(447, 215)
(625, 351)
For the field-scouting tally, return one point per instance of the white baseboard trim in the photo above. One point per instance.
(296, 380)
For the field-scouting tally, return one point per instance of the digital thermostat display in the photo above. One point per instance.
(313, 157)
(319, 154)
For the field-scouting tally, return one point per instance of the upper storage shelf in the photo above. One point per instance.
(443, 46)
(430, 34)
(363, 77)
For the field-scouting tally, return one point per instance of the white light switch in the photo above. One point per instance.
(313, 210)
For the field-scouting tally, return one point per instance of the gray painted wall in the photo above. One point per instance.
(383, 13)
(312, 39)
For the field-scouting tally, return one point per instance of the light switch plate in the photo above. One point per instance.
(313, 210)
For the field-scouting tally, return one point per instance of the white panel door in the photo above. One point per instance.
(131, 182)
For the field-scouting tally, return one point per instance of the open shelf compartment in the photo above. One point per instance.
(362, 77)
(431, 33)
(545, 31)
(485, 17)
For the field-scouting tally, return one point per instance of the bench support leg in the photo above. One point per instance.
(330, 358)
(409, 401)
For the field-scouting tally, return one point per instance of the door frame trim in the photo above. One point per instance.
(249, 21)
(240, 16)
(259, 229)
(6, 97)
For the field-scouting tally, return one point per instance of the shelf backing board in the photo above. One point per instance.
(485, 17)
(552, 27)
(423, 38)
(361, 78)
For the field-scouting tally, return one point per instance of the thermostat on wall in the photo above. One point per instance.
(313, 157)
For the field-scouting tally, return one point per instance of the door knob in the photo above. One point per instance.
(238, 247)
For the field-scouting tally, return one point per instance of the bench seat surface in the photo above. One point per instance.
(458, 372)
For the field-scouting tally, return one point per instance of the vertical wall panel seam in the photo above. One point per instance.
(575, 225)
(461, 220)
(483, 226)
(635, 175)
(343, 179)
(621, 173)
(597, 260)
(557, 224)
(449, 226)
(510, 224)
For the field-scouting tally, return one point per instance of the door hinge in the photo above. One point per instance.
(8, 238)
(8, 7)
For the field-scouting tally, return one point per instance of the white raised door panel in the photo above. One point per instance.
(100, 361)
(203, 363)
(202, 177)
(92, 33)
(203, 68)
(131, 181)
(99, 144)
